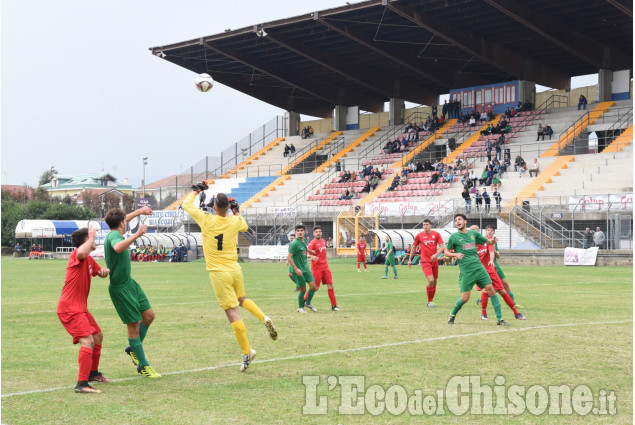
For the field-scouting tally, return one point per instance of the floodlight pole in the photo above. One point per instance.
(145, 162)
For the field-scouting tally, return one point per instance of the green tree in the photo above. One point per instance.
(45, 177)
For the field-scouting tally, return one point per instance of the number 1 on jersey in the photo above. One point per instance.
(219, 238)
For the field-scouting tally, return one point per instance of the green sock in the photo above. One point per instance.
(143, 330)
(497, 307)
(137, 348)
(310, 297)
(386, 271)
(394, 269)
(511, 294)
(300, 299)
(457, 307)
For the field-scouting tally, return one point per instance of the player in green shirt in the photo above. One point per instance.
(302, 272)
(462, 246)
(128, 298)
(390, 259)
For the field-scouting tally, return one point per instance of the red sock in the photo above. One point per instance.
(431, 291)
(357, 266)
(84, 358)
(509, 302)
(96, 356)
(484, 301)
(332, 297)
(306, 294)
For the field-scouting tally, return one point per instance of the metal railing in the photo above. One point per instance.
(583, 144)
(309, 164)
(315, 184)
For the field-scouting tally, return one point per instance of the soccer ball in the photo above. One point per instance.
(204, 82)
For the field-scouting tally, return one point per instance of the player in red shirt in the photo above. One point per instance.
(319, 265)
(361, 254)
(429, 240)
(72, 308)
(486, 255)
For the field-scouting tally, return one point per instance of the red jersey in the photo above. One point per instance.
(319, 246)
(428, 243)
(483, 255)
(77, 284)
(361, 248)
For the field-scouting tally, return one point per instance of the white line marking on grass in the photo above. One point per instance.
(347, 350)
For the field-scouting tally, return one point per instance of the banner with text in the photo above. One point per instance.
(163, 218)
(580, 257)
(268, 252)
(623, 202)
(409, 208)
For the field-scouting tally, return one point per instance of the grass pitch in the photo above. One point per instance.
(578, 332)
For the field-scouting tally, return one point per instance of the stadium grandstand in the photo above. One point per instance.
(367, 77)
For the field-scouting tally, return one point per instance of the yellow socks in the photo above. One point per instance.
(251, 307)
(241, 335)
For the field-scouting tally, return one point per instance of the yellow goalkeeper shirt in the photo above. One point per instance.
(219, 236)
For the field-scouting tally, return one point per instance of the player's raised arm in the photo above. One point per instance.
(141, 211)
(84, 250)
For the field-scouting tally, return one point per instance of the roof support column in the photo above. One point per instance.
(293, 123)
(397, 111)
(605, 80)
(339, 118)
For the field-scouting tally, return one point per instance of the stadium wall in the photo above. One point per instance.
(555, 257)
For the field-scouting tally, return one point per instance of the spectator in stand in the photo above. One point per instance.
(404, 145)
(497, 197)
(507, 162)
(394, 183)
(496, 181)
(283, 238)
(374, 182)
(286, 150)
(587, 238)
(488, 150)
(444, 109)
(519, 160)
(435, 178)
(487, 131)
(412, 167)
(473, 178)
(508, 113)
(465, 181)
(18, 249)
(292, 148)
(513, 112)
(522, 168)
(201, 201)
(540, 133)
(547, 131)
(419, 168)
(483, 178)
(353, 176)
(598, 237)
(472, 121)
(582, 102)
(468, 200)
(366, 188)
(478, 200)
(434, 111)
(484, 117)
(346, 195)
(486, 199)
(535, 168)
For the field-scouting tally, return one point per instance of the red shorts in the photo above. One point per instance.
(497, 283)
(79, 325)
(361, 258)
(430, 268)
(322, 276)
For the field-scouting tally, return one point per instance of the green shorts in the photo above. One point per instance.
(500, 272)
(390, 261)
(415, 260)
(301, 281)
(478, 277)
(129, 301)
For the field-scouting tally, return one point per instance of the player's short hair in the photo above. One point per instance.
(427, 221)
(299, 226)
(221, 201)
(79, 236)
(317, 228)
(115, 217)
(489, 226)
(460, 215)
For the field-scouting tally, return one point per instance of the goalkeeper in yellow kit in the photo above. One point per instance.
(220, 233)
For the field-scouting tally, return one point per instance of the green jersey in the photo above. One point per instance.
(298, 248)
(465, 243)
(495, 249)
(119, 264)
(390, 251)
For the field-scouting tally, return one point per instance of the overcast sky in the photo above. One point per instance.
(81, 91)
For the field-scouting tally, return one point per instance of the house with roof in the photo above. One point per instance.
(62, 185)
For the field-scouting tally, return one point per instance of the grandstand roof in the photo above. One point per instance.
(366, 53)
